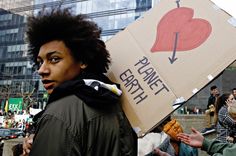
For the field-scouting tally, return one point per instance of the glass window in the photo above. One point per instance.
(123, 16)
(20, 71)
(28, 71)
(15, 71)
(17, 47)
(89, 6)
(84, 7)
(25, 19)
(9, 48)
(14, 47)
(3, 32)
(4, 17)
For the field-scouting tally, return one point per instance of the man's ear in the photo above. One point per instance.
(83, 66)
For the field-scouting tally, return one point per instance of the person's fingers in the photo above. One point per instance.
(27, 144)
(228, 102)
(27, 151)
(30, 141)
(158, 152)
(185, 140)
(182, 135)
(194, 130)
(24, 154)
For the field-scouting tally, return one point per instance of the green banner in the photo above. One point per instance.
(15, 104)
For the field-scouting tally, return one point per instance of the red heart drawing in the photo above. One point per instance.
(192, 32)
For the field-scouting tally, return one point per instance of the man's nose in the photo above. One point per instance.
(43, 69)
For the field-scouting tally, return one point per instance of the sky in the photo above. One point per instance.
(227, 5)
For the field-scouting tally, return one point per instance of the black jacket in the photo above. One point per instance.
(81, 121)
(211, 101)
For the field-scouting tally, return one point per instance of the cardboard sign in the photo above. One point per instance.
(167, 56)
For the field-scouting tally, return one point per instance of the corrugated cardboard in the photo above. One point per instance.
(194, 44)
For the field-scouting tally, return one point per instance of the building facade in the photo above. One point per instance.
(15, 67)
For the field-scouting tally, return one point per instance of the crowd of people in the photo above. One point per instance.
(21, 121)
(221, 116)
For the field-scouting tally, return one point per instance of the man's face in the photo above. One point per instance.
(216, 92)
(56, 64)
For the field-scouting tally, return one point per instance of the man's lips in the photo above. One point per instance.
(48, 84)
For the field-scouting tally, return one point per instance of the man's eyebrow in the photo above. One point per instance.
(49, 54)
(52, 52)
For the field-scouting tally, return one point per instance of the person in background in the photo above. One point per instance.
(170, 145)
(197, 140)
(83, 116)
(232, 113)
(214, 93)
(224, 121)
(212, 147)
(159, 138)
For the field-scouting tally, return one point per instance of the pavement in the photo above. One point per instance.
(8, 144)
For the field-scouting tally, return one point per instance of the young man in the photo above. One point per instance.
(214, 93)
(210, 127)
(83, 116)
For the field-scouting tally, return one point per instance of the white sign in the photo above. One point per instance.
(34, 111)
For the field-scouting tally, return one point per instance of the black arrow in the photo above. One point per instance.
(177, 1)
(173, 59)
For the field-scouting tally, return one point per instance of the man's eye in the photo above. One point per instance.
(55, 59)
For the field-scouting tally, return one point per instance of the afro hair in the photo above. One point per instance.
(80, 35)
